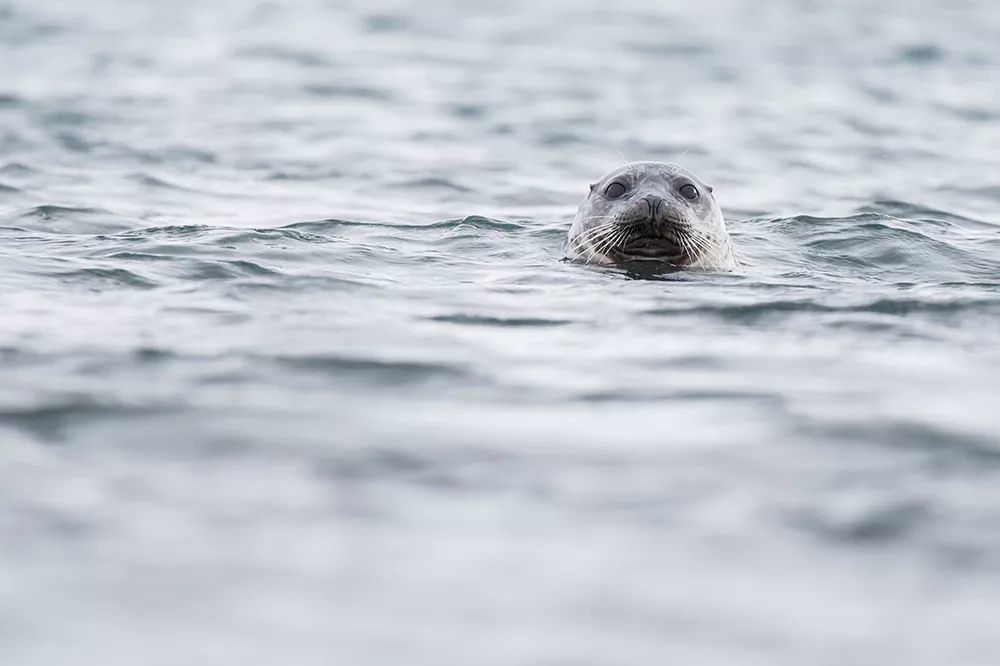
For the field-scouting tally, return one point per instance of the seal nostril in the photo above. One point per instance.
(653, 203)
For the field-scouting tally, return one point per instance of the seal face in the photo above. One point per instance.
(651, 211)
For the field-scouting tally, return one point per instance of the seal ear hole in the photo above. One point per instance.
(592, 186)
(710, 189)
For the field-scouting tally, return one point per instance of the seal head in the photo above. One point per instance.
(651, 211)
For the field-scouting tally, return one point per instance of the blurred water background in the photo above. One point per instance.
(291, 370)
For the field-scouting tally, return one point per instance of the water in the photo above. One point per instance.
(291, 370)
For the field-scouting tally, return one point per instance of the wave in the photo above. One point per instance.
(871, 246)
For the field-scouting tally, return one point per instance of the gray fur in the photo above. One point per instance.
(651, 221)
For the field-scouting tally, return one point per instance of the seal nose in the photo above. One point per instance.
(653, 202)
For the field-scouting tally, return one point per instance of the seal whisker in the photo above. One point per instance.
(684, 154)
(625, 161)
(615, 241)
(600, 247)
(706, 243)
(695, 243)
(596, 230)
(708, 250)
(623, 236)
(599, 227)
(593, 234)
(610, 241)
(594, 238)
(686, 245)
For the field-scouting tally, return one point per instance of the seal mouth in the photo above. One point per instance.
(652, 247)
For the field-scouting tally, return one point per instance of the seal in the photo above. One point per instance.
(651, 211)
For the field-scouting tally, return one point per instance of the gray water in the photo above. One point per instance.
(292, 370)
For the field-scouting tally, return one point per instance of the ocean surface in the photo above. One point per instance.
(292, 370)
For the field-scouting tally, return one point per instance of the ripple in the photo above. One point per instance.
(900, 307)
(19, 170)
(669, 49)
(21, 28)
(386, 23)
(379, 371)
(432, 183)
(502, 322)
(890, 522)
(227, 270)
(180, 154)
(922, 54)
(75, 142)
(53, 218)
(905, 209)
(159, 182)
(104, 277)
(562, 138)
(659, 396)
(344, 91)
(69, 118)
(283, 55)
(53, 419)
(473, 221)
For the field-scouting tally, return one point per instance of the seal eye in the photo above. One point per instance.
(689, 192)
(615, 190)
